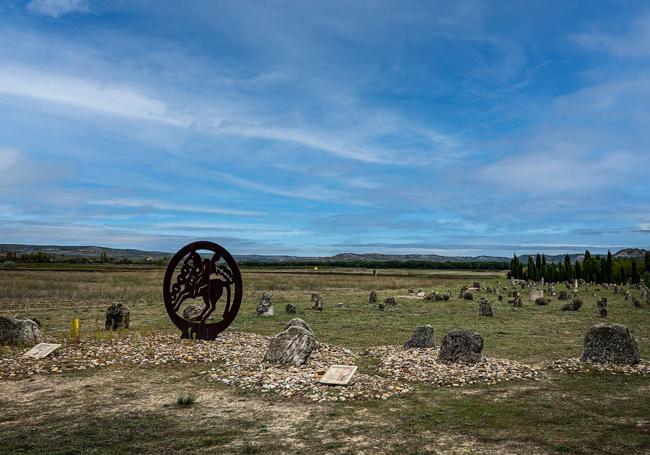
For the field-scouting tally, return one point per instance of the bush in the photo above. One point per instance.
(541, 301)
(185, 400)
(563, 295)
(468, 296)
(576, 303)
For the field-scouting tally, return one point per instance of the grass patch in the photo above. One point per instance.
(186, 399)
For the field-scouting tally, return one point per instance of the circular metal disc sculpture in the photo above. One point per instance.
(212, 279)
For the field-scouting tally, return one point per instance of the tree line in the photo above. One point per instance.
(596, 269)
(384, 264)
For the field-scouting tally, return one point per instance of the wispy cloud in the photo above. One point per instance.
(632, 43)
(311, 192)
(147, 205)
(57, 8)
(85, 94)
(552, 172)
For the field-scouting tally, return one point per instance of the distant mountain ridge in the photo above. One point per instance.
(96, 251)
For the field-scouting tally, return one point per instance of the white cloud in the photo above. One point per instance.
(302, 137)
(315, 193)
(145, 204)
(558, 171)
(633, 44)
(57, 8)
(8, 158)
(85, 94)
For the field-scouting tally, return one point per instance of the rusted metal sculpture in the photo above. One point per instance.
(212, 279)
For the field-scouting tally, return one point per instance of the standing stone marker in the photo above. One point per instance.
(338, 375)
(602, 307)
(461, 346)
(118, 316)
(293, 345)
(422, 338)
(265, 305)
(485, 309)
(317, 302)
(610, 343)
(19, 331)
(192, 312)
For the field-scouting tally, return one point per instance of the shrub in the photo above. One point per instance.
(541, 301)
(468, 296)
(185, 400)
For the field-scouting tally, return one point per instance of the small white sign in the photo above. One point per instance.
(338, 375)
(41, 350)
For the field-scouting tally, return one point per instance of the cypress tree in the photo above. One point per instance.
(567, 266)
(610, 267)
(578, 270)
(647, 262)
(602, 275)
(531, 269)
(635, 273)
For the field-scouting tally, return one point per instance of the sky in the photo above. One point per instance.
(316, 128)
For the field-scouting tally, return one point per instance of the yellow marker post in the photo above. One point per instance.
(315, 268)
(74, 330)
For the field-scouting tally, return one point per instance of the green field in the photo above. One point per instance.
(99, 411)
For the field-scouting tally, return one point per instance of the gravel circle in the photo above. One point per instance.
(576, 365)
(235, 359)
(420, 365)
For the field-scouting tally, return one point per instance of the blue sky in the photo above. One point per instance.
(310, 128)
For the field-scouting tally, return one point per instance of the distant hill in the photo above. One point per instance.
(629, 253)
(81, 251)
(96, 251)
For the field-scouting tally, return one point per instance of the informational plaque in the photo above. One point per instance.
(338, 375)
(41, 350)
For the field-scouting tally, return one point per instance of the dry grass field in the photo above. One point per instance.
(133, 410)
